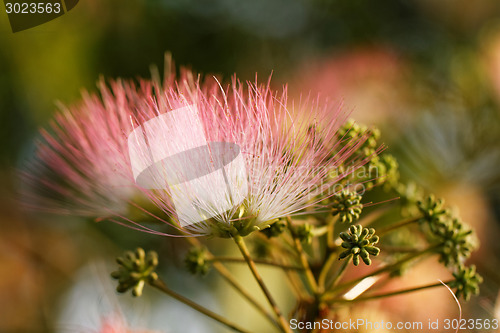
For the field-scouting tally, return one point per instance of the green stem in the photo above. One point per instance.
(297, 284)
(383, 231)
(253, 268)
(374, 215)
(226, 274)
(330, 238)
(257, 261)
(340, 271)
(311, 281)
(332, 293)
(320, 231)
(393, 293)
(160, 285)
(324, 271)
(398, 249)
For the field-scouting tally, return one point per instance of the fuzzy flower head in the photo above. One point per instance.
(205, 158)
(81, 163)
(236, 159)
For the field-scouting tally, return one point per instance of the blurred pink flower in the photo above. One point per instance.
(116, 324)
(369, 79)
(491, 60)
(81, 165)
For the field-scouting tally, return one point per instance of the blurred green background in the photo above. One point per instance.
(426, 72)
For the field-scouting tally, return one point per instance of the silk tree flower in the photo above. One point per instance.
(286, 164)
(85, 164)
(81, 165)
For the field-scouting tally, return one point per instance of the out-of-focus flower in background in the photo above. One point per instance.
(92, 306)
(455, 153)
(369, 80)
(490, 58)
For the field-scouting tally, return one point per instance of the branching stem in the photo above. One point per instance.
(333, 292)
(160, 285)
(392, 227)
(257, 261)
(311, 281)
(253, 268)
(393, 293)
(226, 274)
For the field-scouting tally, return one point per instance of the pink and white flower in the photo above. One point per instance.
(286, 155)
(81, 163)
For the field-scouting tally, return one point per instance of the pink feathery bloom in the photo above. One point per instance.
(259, 157)
(207, 157)
(81, 165)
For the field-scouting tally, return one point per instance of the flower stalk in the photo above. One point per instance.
(395, 226)
(257, 261)
(160, 285)
(226, 275)
(389, 294)
(311, 281)
(253, 268)
(339, 274)
(331, 294)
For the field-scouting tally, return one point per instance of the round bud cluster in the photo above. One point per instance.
(196, 261)
(458, 242)
(360, 243)
(347, 205)
(466, 282)
(136, 268)
(275, 229)
(433, 212)
(304, 232)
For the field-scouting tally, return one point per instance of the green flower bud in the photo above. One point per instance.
(388, 174)
(275, 229)
(433, 212)
(135, 269)
(196, 261)
(466, 282)
(351, 130)
(347, 205)
(458, 242)
(304, 233)
(410, 194)
(359, 242)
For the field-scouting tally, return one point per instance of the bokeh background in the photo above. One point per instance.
(426, 72)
